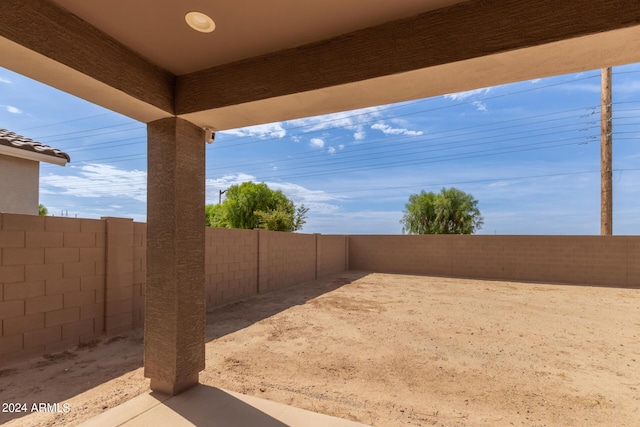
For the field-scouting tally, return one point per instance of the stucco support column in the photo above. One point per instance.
(175, 294)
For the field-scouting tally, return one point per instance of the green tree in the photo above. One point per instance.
(250, 205)
(214, 216)
(42, 210)
(451, 211)
(285, 217)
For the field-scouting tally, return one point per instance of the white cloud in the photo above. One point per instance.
(502, 183)
(266, 131)
(319, 202)
(359, 222)
(343, 119)
(480, 106)
(350, 120)
(628, 86)
(232, 179)
(3, 80)
(583, 87)
(214, 186)
(461, 96)
(534, 81)
(13, 110)
(334, 150)
(317, 142)
(98, 180)
(464, 96)
(388, 130)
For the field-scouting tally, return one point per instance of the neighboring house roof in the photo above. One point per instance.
(15, 145)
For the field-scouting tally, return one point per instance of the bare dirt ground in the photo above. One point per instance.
(387, 350)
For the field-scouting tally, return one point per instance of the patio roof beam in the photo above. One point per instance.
(468, 30)
(34, 32)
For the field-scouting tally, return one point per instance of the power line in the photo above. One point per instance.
(368, 144)
(134, 202)
(389, 165)
(91, 135)
(67, 121)
(476, 181)
(458, 104)
(405, 148)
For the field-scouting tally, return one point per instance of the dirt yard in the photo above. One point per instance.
(387, 350)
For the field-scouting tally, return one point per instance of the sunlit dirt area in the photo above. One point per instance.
(385, 350)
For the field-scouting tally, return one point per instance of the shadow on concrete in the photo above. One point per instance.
(232, 317)
(208, 406)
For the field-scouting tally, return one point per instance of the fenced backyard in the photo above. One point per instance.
(386, 350)
(320, 322)
(65, 281)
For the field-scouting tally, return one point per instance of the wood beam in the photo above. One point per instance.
(50, 31)
(468, 30)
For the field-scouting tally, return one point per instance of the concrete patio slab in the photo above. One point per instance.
(211, 407)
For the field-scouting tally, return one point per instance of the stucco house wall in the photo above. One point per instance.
(19, 181)
(20, 159)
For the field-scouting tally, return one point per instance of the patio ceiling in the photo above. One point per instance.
(282, 59)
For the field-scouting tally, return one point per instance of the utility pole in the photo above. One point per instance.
(606, 186)
(220, 195)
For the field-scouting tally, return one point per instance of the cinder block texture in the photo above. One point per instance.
(119, 275)
(44, 285)
(592, 260)
(139, 273)
(43, 265)
(331, 254)
(231, 264)
(285, 259)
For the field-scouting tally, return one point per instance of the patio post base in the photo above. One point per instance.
(173, 388)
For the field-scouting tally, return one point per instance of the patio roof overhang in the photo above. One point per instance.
(282, 62)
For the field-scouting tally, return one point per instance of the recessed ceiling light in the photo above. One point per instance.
(200, 22)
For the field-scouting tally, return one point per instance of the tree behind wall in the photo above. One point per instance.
(451, 211)
(251, 205)
(42, 210)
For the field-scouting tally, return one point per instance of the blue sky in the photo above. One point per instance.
(528, 151)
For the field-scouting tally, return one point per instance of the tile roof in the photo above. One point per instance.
(10, 139)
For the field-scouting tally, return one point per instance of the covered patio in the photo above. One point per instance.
(277, 61)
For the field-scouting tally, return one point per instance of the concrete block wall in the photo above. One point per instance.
(67, 280)
(285, 259)
(401, 254)
(332, 254)
(119, 277)
(52, 281)
(231, 264)
(592, 260)
(139, 272)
